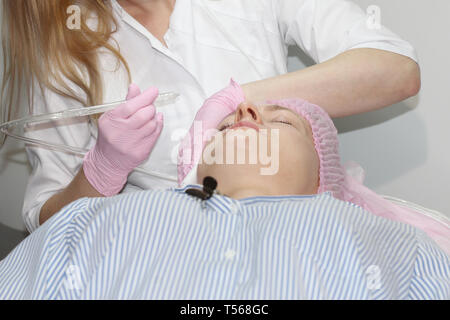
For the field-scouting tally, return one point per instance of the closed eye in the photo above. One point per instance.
(283, 121)
(225, 126)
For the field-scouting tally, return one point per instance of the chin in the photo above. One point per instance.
(246, 175)
(232, 173)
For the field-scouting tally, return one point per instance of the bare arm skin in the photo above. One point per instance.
(78, 188)
(356, 81)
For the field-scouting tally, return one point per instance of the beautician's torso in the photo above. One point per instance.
(154, 15)
(185, 52)
(196, 60)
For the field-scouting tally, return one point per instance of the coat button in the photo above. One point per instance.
(234, 208)
(230, 254)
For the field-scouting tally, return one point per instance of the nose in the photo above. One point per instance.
(247, 111)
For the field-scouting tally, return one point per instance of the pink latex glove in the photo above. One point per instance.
(126, 136)
(209, 116)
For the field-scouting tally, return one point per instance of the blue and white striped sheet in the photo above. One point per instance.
(169, 245)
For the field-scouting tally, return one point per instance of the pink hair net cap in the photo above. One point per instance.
(346, 184)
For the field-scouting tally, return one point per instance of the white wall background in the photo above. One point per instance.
(404, 148)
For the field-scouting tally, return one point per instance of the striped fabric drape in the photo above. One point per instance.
(169, 245)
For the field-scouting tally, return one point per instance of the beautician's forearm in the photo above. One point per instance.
(78, 188)
(355, 81)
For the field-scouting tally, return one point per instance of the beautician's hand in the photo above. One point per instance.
(126, 136)
(220, 105)
(213, 111)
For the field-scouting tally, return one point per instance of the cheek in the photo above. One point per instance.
(296, 150)
(308, 154)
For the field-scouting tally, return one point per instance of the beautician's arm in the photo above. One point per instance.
(78, 188)
(354, 81)
(127, 135)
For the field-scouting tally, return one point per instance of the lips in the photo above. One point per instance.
(244, 124)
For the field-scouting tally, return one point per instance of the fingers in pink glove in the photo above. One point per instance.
(133, 91)
(154, 128)
(142, 117)
(213, 111)
(129, 108)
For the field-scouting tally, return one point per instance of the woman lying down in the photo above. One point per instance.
(290, 225)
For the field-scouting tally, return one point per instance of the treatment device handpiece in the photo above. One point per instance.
(6, 128)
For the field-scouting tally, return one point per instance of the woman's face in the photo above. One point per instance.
(279, 139)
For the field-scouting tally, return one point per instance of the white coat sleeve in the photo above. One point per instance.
(326, 28)
(52, 170)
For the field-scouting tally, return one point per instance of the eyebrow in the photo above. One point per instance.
(274, 107)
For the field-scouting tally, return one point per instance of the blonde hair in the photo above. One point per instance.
(37, 44)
